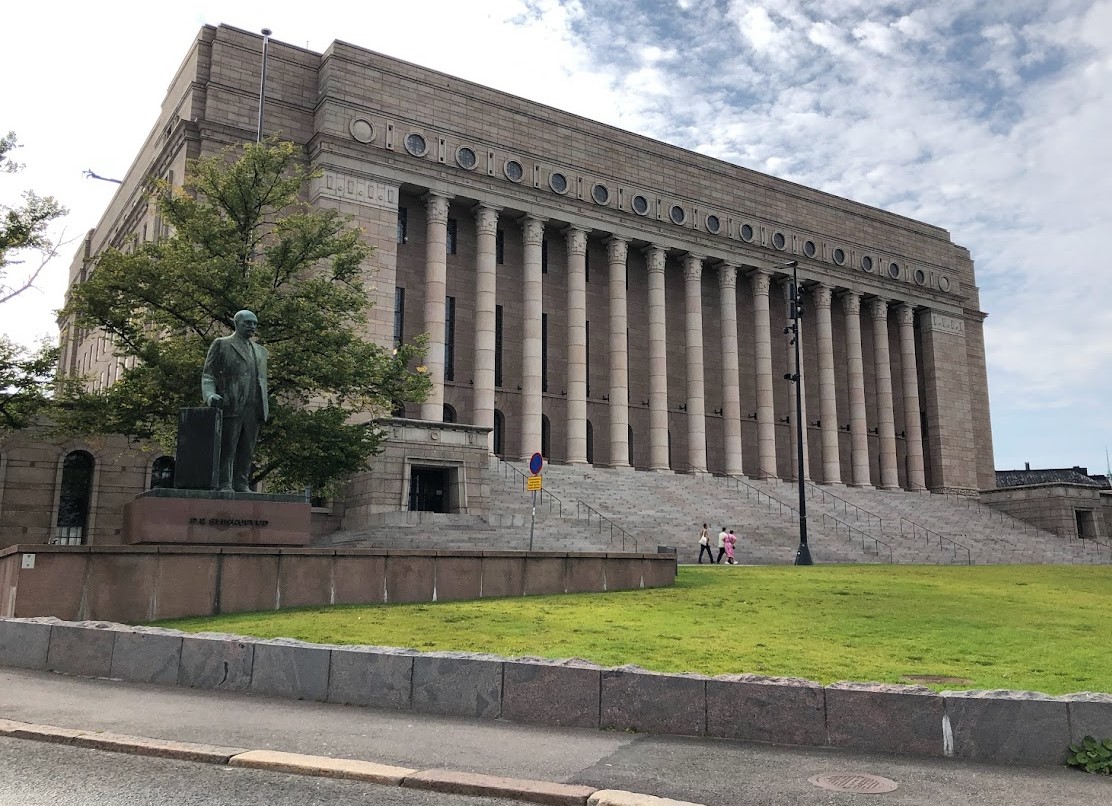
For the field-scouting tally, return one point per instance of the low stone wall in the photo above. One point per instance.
(987, 726)
(136, 584)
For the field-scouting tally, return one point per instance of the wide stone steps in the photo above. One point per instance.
(584, 508)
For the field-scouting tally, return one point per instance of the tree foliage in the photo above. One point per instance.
(23, 228)
(26, 375)
(243, 239)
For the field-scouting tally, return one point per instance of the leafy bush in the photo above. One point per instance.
(1092, 755)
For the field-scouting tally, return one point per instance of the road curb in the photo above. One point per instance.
(447, 781)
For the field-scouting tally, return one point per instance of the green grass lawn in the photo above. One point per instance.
(1043, 628)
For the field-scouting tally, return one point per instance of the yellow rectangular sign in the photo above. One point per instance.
(533, 483)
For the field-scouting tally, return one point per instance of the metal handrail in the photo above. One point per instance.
(850, 528)
(583, 505)
(545, 498)
(846, 505)
(931, 534)
(751, 490)
(1072, 535)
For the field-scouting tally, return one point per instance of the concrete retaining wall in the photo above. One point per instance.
(135, 584)
(990, 726)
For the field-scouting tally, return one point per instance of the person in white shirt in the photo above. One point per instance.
(721, 545)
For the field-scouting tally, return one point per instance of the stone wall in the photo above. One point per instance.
(1013, 727)
(1052, 506)
(136, 584)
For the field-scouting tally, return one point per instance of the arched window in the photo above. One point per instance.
(449, 414)
(590, 443)
(499, 433)
(74, 497)
(546, 436)
(399, 410)
(630, 440)
(162, 472)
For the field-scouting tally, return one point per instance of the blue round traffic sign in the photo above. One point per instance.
(536, 462)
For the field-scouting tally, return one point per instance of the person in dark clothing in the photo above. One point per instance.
(704, 545)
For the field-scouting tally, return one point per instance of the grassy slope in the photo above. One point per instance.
(1044, 628)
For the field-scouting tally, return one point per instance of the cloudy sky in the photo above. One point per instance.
(993, 120)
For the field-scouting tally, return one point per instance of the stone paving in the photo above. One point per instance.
(585, 508)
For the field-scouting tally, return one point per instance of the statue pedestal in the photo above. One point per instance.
(213, 518)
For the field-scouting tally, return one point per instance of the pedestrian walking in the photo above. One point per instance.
(721, 545)
(704, 545)
(731, 540)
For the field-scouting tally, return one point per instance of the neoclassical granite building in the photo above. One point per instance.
(597, 295)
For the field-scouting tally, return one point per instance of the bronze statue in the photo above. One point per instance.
(234, 380)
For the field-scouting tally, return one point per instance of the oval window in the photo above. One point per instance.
(840, 256)
(640, 204)
(416, 145)
(713, 224)
(558, 182)
(465, 158)
(866, 263)
(600, 194)
(778, 240)
(677, 214)
(513, 170)
(747, 232)
(809, 248)
(894, 270)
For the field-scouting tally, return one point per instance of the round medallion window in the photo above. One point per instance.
(943, 283)
(778, 240)
(600, 194)
(513, 170)
(677, 214)
(713, 224)
(640, 204)
(920, 277)
(465, 157)
(809, 248)
(894, 270)
(362, 130)
(558, 182)
(840, 256)
(416, 144)
(747, 232)
(866, 263)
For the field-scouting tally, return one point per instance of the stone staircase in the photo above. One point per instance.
(585, 508)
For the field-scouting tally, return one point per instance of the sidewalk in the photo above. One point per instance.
(712, 772)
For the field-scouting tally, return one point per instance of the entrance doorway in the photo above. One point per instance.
(428, 489)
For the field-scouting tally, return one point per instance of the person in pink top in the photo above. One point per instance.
(731, 539)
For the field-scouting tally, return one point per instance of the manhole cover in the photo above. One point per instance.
(861, 783)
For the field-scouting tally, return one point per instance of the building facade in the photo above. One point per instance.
(596, 295)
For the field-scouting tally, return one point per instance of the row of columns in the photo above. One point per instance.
(486, 217)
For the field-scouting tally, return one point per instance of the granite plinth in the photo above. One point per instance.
(216, 518)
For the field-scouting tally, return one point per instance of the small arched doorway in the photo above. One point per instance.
(499, 433)
(74, 498)
(162, 472)
(449, 414)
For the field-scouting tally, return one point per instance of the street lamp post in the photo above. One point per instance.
(262, 83)
(803, 553)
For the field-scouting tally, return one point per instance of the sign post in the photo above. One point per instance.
(533, 483)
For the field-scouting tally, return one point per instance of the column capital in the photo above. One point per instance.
(692, 266)
(486, 218)
(823, 293)
(654, 258)
(905, 313)
(577, 239)
(727, 275)
(760, 280)
(532, 229)
(851, 302)
(879, 308)
(436, 205)
(616, 248)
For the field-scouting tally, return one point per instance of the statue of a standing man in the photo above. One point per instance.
(234, 380)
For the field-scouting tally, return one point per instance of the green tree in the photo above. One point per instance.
(243, 238)
(26, 375)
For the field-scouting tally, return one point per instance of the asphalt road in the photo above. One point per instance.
(712, 772)
(40, 774)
